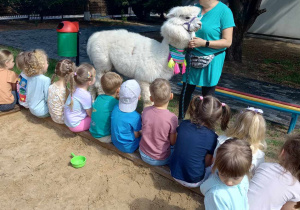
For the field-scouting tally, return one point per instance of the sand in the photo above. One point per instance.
(35, 173)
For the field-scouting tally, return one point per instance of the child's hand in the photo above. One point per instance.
(89, 112)
(137, 134)
(173, 137)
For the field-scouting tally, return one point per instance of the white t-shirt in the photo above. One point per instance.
(257, 158)
(271, 187)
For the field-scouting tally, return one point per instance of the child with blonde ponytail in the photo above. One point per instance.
(250, 126)
(58, 91)
(197, 140)
(78, 107)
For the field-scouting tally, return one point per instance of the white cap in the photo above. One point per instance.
(129, 95)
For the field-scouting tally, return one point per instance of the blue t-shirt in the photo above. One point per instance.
(37, 94)
(192, 145)
(123, 125)
(101, 115)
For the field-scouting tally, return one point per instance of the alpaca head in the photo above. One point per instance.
(181, 23)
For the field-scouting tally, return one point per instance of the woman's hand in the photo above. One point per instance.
(197, 42)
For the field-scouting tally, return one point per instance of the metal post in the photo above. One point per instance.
(77, 57)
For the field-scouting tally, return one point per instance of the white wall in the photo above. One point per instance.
(281, 19)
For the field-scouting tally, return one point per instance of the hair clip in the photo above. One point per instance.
(255, 110)
(75, 74)
(223, 104)
(89, 75)
(201, 98)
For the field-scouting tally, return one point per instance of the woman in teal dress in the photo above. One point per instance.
(214, 37)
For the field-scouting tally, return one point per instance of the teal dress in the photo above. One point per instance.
(213, 23)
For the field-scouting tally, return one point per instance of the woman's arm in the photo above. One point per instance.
(217, 44)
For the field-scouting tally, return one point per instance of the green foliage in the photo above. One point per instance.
(289, 73)
(142, 8)
(44, 7)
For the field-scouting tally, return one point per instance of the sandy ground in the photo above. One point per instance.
(35, 173)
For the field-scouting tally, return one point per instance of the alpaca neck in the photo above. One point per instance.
(180, 44)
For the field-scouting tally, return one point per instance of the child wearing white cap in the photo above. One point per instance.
(126, 123)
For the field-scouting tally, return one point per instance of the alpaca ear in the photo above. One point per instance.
(172, 13)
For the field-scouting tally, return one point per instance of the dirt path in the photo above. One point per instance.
(36, 174)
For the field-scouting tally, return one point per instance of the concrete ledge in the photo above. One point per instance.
(134, 157)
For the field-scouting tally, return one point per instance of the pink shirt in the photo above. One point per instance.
(157, 125)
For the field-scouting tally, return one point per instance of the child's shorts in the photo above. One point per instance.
(193, 185)
(105, 139)
(154, 162)
(83, 126)
(7, 107)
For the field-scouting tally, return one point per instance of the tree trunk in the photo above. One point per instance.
(245, 13)
(234, 53)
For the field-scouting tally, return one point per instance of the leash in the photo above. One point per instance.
(186, 80)
(188, 55)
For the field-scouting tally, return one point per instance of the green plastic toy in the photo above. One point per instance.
(77, 161)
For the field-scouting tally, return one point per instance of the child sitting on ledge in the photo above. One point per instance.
(103, 106)
(125, 121)
(158, 125)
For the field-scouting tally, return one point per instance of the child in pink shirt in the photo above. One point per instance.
(158, 125)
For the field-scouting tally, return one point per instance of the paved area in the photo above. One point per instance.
(46, 39)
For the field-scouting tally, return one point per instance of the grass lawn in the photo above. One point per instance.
(275, 132)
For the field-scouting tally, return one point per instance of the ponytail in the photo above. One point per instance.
(226, 115)
(72, 87)
(53, 77)
(207, 111)
(80, 76)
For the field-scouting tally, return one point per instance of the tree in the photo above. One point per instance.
(142, 8)
(245, 13)
(43, 7)
(163, 6)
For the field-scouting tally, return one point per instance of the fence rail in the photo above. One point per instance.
(38, 17)
(58, 17)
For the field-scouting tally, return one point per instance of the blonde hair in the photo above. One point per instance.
(20, 63)
(64, 68)
(290, 159)
(35, 62)
(207, 111)
(160, 90)
(110, 82)
(233, 158)
(81, 75)
(250, 126)
(4, 57)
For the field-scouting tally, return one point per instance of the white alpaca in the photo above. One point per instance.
(139, 57)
